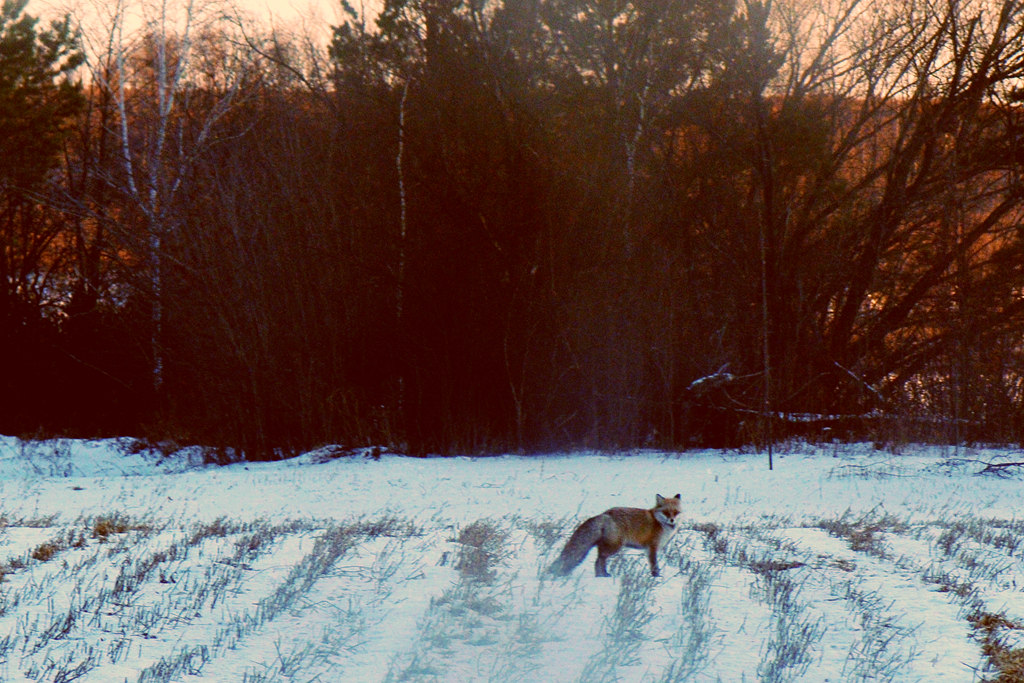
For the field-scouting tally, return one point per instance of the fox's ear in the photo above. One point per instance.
(658, 499)
(679, 496)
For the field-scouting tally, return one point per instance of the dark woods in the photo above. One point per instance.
(517, 225)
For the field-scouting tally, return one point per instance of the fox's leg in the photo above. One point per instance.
(652, 556)
(603, 553)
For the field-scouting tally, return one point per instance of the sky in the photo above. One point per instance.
(313, 18)
(304, 17)
(283, 13)
(294, 10)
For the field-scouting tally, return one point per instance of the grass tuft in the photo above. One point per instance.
(864, 534)
(991, 630)
(44, 552)
(105, 526)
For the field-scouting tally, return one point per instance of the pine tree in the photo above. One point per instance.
(38, 98)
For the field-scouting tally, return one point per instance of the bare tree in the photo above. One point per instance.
(845, 164)
(147, 56)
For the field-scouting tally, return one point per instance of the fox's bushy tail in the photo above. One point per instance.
(582, 540)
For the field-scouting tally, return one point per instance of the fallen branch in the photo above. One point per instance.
(999, 468)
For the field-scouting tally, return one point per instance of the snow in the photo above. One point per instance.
(844, 563)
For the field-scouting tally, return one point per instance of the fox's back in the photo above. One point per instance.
(637, 527)
(631, 516)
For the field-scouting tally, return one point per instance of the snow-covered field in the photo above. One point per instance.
(843, 564)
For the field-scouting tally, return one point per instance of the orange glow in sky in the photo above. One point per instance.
(292, 14)
(294, 11)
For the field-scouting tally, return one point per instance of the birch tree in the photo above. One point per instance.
(146, 55)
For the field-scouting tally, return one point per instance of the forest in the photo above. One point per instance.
(514, 225)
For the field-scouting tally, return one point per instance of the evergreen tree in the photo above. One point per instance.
(38, 98)
(38, 103)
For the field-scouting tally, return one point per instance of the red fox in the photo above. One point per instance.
(617, 527)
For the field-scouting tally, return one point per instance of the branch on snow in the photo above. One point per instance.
(1000, 469)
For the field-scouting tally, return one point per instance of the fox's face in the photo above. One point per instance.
(667, 509)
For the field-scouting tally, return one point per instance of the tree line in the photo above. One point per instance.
(490, 225)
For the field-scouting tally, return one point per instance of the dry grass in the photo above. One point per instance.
(991, 630)
(104, 526)
(44, 552)
(864, 534)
